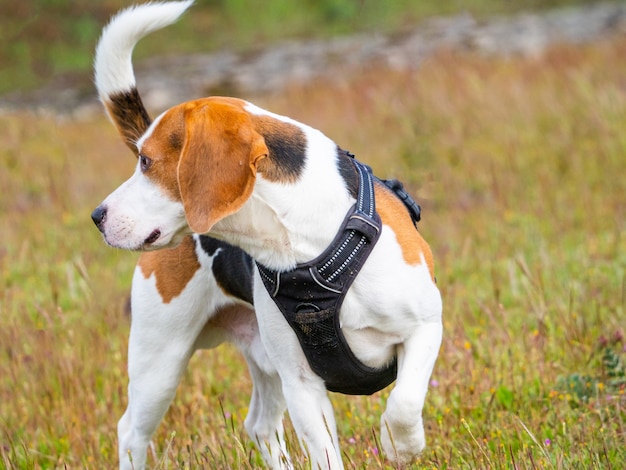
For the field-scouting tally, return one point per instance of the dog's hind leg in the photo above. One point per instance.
(267, 406)
(402, 429)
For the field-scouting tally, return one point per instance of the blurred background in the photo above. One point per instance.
(42, 39)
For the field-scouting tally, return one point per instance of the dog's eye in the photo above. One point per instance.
(144, 162)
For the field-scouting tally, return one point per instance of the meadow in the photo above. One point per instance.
(519, 165)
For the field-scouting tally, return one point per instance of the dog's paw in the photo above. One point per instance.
(402, 442)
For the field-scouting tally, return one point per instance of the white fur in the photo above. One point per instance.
(392, 308)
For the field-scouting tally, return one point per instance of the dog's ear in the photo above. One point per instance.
(217, 167)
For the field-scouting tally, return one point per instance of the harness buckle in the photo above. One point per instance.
(413, 207)
(365, 225)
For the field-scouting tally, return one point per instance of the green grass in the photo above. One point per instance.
(46, 40)
(519, 166)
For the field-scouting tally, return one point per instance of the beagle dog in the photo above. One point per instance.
(220, 182)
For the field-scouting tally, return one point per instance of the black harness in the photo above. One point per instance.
(310, 295)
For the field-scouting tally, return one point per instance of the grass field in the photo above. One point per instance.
(520, 167)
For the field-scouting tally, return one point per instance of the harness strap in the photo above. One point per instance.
(310, 297)
(361, 227)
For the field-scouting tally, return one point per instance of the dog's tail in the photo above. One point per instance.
(114, 75)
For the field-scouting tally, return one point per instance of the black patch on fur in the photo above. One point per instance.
(287, 148)
(348, 171)
(289, 154)
(129, 115)
(232, 267)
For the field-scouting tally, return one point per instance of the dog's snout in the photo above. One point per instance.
(98, 216)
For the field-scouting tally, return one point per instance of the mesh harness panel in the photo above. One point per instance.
(310, 296)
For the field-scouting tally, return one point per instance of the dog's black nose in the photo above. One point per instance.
(98, 216)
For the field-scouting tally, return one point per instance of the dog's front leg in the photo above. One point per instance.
(162, 339)
(153, 379)
(307, 400)
(402, 429)
(312, 416)
(151, 388)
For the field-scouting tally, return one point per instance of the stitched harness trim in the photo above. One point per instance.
(310, 295)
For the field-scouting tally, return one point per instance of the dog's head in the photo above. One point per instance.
(197, 163)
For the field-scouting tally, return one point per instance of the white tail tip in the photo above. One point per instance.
(113, 62)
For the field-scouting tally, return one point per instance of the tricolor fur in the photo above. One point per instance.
(278, 190)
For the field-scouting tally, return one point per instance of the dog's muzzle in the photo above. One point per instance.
(99, 216)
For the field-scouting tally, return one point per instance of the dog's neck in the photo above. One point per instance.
(283, 224)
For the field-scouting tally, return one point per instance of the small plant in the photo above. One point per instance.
(580, 388)
(614, 370)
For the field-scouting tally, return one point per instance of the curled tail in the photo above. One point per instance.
(113, 68)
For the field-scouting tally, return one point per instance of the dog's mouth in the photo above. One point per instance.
(153, 237)
(156, 240)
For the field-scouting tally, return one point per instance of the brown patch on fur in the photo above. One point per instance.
(173, 268)
(394, 214)
(287, 149)
(163, 148)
